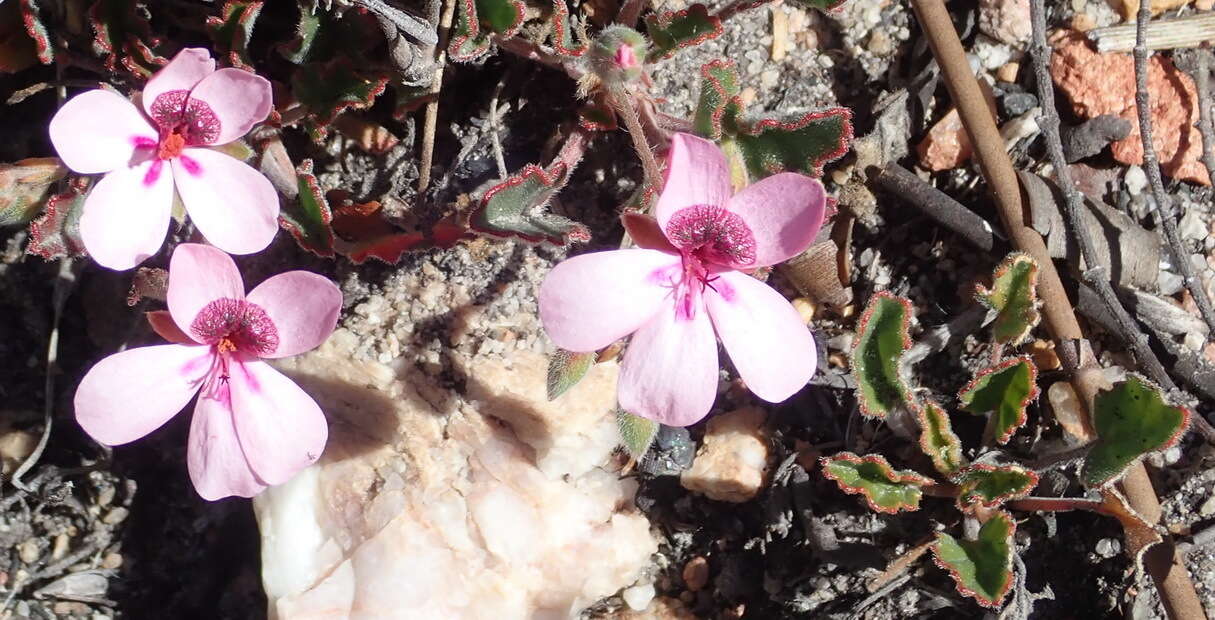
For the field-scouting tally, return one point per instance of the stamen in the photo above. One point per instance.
(235, 325)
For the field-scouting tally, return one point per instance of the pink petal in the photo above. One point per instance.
(281, 429)
(669, 373)
(593, 300)
(97, 131)
(697, 174)
(198, 275)
(217, 463)
(239, 99)
(130, 394)
(301, 326)
(184, 72)
(784, 213)
(766, 338)
(233, 205)
(126, 216)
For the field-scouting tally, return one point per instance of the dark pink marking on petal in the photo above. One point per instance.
(191, 368)
(174, 112)
(168, 109)
(143, 142)
(153, 173)
(713, 234)
(724, 289)
(238, 325)
(192, 166)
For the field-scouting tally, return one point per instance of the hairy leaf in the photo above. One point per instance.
(981, 568)
(307, 35)
(1014, 297)
(56, 234)
(308, 218)
(123, 36)
(501, 16)
(566, 369)
(885, 489)
(467, 43)
(24, 186)
(991, 485)
(938, 440)
(718, 103)
(569, 36)
(1131, 420)
(325, 90)
(881, 340)
(516, 208)
(822, 5)
(636, 433)
(232, 30)
(672, 31)
(803, 145)
(31, 16)
(1005, 390)
(597, 115)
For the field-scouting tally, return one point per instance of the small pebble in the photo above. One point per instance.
(638, 597)
(1135, 180)
(1008, 72)
(696, 573)
(28, 551)
(115, 516)
(1208, 507)
(111, 561)
(1108, 547)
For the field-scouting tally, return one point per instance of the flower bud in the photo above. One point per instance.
(617, 56)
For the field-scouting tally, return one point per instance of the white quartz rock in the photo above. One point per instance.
(431, 504)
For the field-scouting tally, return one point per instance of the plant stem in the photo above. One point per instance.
(936, 204)
(622, 102)
(1151, 165)
(432, 107)
(1094, 273)
(1202, 80)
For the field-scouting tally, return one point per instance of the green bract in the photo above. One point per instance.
(636, 433)
(566, 369)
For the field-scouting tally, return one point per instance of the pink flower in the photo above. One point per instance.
(189, 106)
(252, 427)
(686, 286)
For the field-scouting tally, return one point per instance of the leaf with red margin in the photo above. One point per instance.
(569, 37)
(467, 42)
(1014, 298)
(17, 49)
(882, 338)
(123, 36)
(803, 145)
(1132, 420)
(566, 369)
(989, 486)
(937, 439)
(516, 208)
(307, 34)
(56, 234)
(32, 18)
(364, 234)
(826, 6)
(981, 568)
(24, 186)
(885, 489)
(502, 17)
(232, 30)
(1005, 390)
(672, 31)
(308, 218)
(718, 103)
(597, 115)
(327, 89)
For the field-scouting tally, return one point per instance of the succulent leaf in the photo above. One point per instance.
(885, 489)
(31, 16)
(636, 433)
(24, 186)
(232, 30)
(516, 208)
(1014, 297)
(56, 234)
(566, 369)
(803, 145)
(981, 568)
(308, 218)
(1131, 420)
(307, 34)
(1005, 390)
(881, 340)
(991, 485)
(468, 43)
(672, 31)
(938, 440)
(501, 16)
(718, 103)
(569, 36)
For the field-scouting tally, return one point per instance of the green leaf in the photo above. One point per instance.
(566, 369)
(822, 5)
(501, 16)
(1014, 297)
(328, 89)
(307, 34)
(672, 31)
(24, 186)
(123, 36)
(981, 568)
(885, 489)
(1131, 420)
(233, 29)
(308, 218)
(938, 440)
(881, 340)
(597, 115)
(1005, 390)
(718, 103)
(516, 208)
(31, 15)
(56, 234)
(468, 43)
(636, 433)
(803, 145)
(569, 36)
(991, 485)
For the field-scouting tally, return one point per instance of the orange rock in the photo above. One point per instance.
(1105, 84)
(1130, 8)
(946, 145)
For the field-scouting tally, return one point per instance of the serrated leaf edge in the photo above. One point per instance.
(663, 20)
(999, 499)
(895, 476)
(1023, 406)
(962, 589)
(709, 79)
(757, 128)
(870, 308)
(549, 178)
(982, 293)
(921, 413)
(1187, 418)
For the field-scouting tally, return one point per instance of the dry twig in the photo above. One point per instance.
(432, 106)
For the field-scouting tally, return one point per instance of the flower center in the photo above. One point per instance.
(236, 326)
(182, 121)
(713, 235)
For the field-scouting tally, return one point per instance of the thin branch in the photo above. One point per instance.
(1151, 165)
(1202, 80)
(936, 204)
(494, 127)
(520, 46)
(432, 107)
(1094, 274)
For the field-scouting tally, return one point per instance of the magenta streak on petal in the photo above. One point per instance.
(250, 380)
(191, 166)
(153, 173)
(143, 142)
(724, 289)
(191, 368)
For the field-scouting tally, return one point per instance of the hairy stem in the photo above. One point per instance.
(622, 102)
